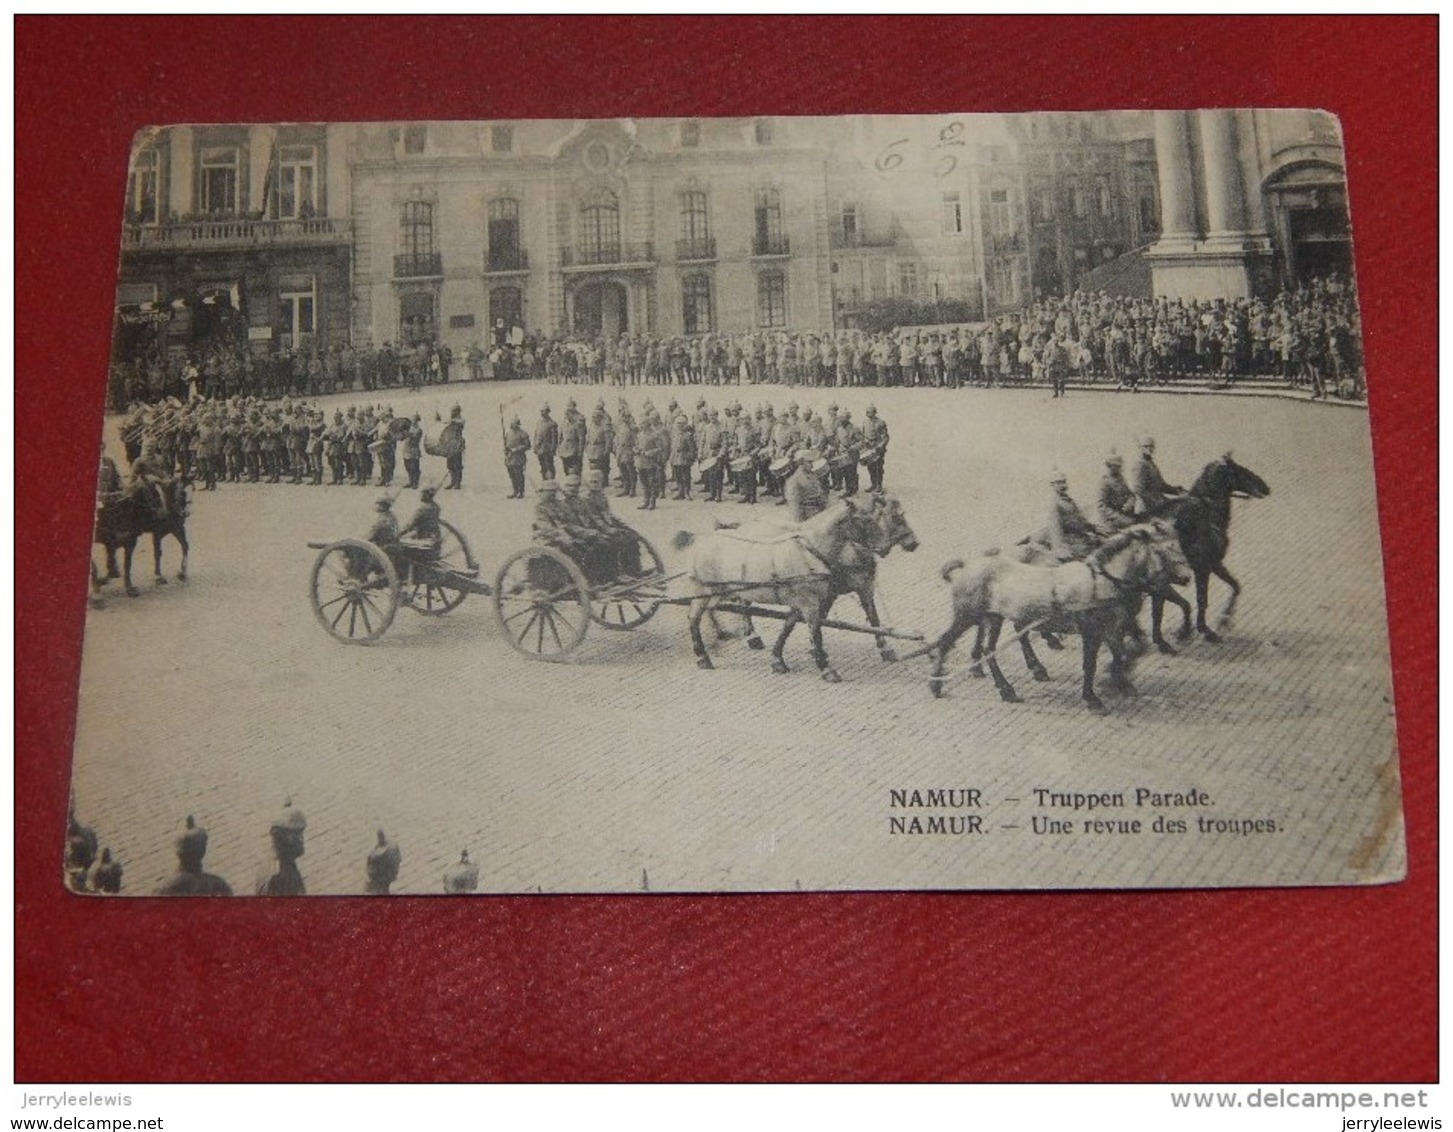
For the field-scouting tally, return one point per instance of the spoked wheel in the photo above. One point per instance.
(630, 602)
(542, 601)
(355, 591)
(423, 594)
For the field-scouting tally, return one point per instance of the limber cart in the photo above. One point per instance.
(545, 599)
(356, 588)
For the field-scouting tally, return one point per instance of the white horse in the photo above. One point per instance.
(1098, 594)
(790, 566)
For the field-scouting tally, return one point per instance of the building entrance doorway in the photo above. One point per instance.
(600, 309)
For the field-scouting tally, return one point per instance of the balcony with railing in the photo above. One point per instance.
(696, 250)
(861, 239)
(775, 245)
(506, 261)
(418, 265)
(1006, 244)
(608, 255)
(237, 232)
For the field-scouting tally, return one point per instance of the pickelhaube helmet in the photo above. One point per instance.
(463, 876)
(192, 841)
(290, 818)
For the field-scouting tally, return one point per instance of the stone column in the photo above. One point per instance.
(1225, 193)
(181, 194)
(1176, 174)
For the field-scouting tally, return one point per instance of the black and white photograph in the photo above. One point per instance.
(951, 502)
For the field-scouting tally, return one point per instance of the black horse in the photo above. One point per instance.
(122, 517)
(1202, 519)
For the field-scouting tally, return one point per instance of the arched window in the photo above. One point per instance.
(600, 228)
(504, 235)
(696, 304)
(772, 299)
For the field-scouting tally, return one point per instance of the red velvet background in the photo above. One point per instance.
(1296, 985)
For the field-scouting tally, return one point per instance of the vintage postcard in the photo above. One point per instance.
(750, 504)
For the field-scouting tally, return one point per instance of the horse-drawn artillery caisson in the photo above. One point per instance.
(545, 596)
(357, 586)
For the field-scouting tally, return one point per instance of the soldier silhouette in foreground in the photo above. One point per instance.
(383, 866)
(287, 846)
(105, 875)
(190, 879)
(81, 847)
(461, 877)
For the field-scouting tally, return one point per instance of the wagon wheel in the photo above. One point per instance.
(630, 603)
(355, 591)
(542, 601)
(423, 594)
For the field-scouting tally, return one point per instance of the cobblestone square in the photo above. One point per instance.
(627, 768)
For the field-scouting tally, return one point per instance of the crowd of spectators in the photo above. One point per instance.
(1309, 338)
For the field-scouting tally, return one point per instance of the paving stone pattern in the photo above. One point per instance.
(627, 768)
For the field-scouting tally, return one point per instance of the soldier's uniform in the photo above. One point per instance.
(683, 456)
(232, 448)
(597, 442)
(744, 446)
(383, 444)
(251, 452)
(414, 451)
(517, 453)
(875, 440)
(1116, 509)
(572, 441)
(190, 879)
(1071, 536)
(287, 845)
(209, 450)
(849, 444)
(382, 865)
(712, 448)
(1150, 487)
(455, 459)
(650, 449)
(625, 454)
(423, 534)
(547, 442)
(803, 491)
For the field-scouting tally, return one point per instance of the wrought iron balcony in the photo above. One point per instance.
(237, 232)
(597, 255)
(771, 245)
(417, 265)
(1005, 245)
(700, 248)
(861, 239)
(502, 260)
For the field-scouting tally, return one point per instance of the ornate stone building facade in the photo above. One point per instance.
(663, 227)
(1251, 200)
(306, 236)
(235, 231)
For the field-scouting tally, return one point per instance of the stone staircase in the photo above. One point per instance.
(1126, 276)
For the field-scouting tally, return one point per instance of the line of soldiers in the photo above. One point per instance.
(90, 871)
(720, 449)
(247, 440)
